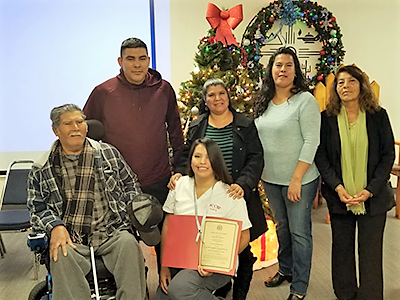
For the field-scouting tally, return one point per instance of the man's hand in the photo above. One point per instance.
(59, 238)
(172, 181)
(165, 278)
(235, 191)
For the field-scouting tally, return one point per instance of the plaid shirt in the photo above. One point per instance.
(101, 213)
(119, 183)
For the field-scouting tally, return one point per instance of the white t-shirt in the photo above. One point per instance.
(219, 204)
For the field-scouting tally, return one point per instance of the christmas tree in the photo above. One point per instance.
(216, 60)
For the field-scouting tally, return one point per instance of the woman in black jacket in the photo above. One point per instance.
(354, 158)
(238, 139)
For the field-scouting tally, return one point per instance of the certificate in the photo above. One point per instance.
(219, 245)
(216, 251)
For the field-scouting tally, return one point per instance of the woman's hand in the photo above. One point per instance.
(359, 198)
(203, 273)
(172, 181)
(165, 278)
(235, 191)
(294, 190)
(343, 195)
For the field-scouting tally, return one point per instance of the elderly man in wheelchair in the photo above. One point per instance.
(79, 196)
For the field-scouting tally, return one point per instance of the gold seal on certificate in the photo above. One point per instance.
(219, 245)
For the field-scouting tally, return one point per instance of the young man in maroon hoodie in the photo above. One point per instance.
(138, 110)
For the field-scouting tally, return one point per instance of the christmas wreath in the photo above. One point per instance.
(310, 13)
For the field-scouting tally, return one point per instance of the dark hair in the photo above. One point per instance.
(133, 43)
(56, 113)
(267, 91)
(206, 85)
(216, 159)
(367, 99)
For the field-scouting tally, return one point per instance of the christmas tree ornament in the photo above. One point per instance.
(194, 110)
(196, 70)
(258, 35)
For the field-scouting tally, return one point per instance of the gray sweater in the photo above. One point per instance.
(289, 133)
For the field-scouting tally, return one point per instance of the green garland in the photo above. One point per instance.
(310, 13)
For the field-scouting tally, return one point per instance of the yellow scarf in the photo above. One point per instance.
(354, 146)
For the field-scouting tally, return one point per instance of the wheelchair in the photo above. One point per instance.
(106, 286)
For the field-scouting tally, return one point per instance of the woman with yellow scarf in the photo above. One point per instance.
(354, 158)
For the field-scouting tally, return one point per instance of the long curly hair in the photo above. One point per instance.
(367, 99)
(267, 92)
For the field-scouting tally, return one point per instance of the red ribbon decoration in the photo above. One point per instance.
(224, 21)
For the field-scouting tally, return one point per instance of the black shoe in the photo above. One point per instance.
(277, 280)
(295, 297)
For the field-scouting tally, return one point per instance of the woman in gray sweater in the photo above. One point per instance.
(288, 123)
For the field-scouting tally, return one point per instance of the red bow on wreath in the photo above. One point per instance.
(224, 21)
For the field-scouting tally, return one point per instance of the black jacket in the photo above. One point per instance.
(247, 163)
(380, 160)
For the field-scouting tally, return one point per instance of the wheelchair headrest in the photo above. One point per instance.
(145, 212)
(95, 129)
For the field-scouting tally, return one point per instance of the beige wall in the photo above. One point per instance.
(371, 31)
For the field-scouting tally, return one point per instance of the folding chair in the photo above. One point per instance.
(14, 214)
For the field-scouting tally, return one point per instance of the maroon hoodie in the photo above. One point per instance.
(136, 119)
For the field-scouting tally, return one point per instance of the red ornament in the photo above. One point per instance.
(322, 52)
(271, 19)
(333, 19)
(320, 77)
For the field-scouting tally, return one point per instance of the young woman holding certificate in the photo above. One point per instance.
(236, 135)
(203, 193)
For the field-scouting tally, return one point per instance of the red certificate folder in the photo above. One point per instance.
(181, 249)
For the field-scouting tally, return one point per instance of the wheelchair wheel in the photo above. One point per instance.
(39, 292)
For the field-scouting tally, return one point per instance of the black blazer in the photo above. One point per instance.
(247, 163)
(380, 161)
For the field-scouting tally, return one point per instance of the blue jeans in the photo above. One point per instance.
(293, 226)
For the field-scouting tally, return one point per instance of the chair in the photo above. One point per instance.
(14, 215)
(396, 172)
